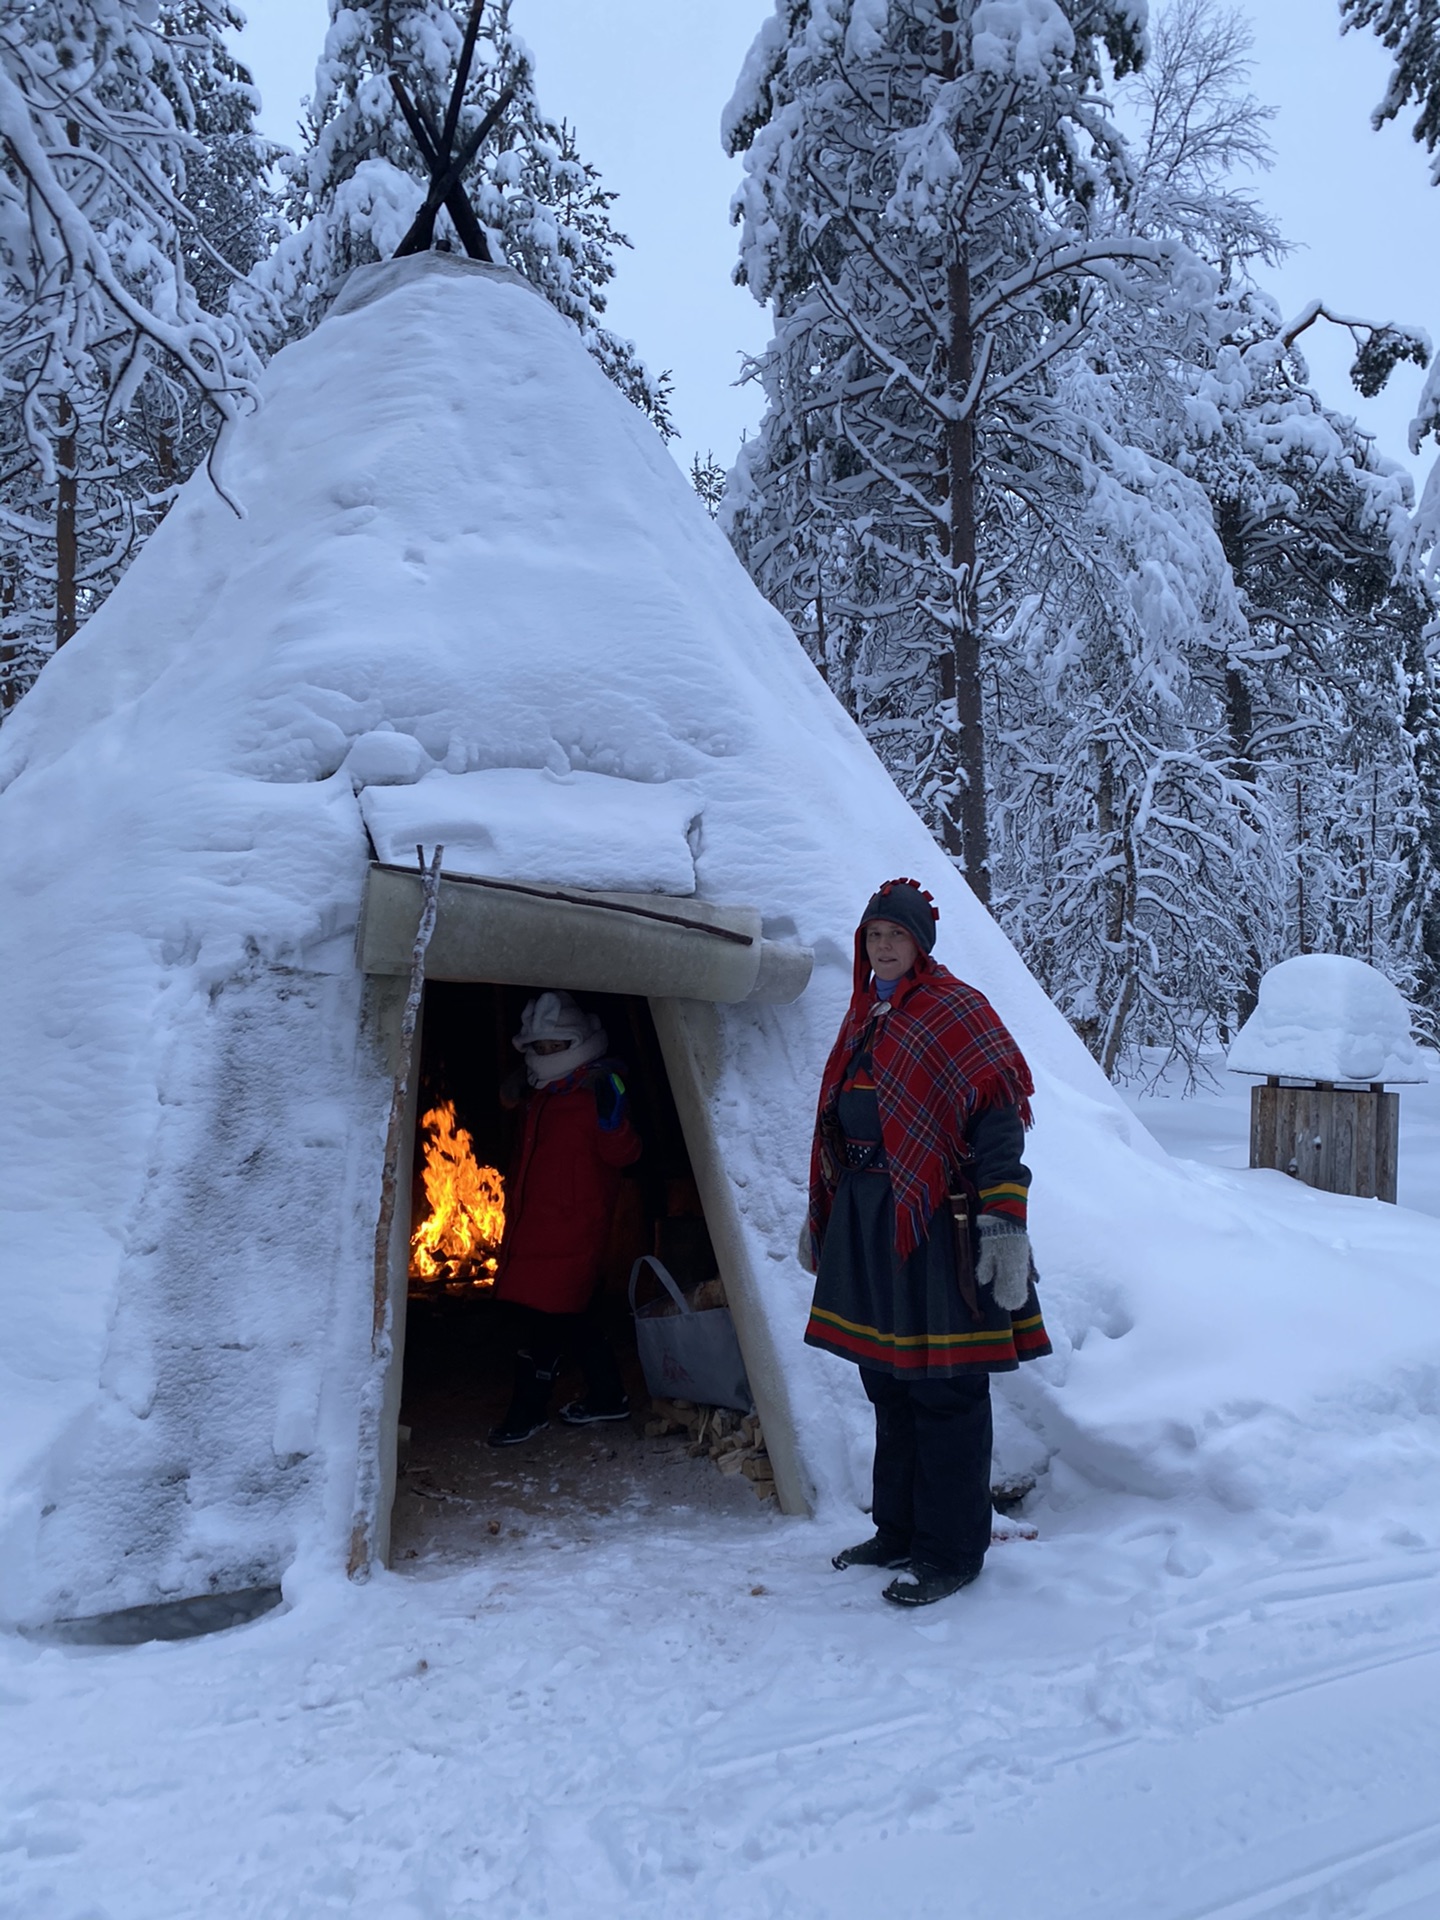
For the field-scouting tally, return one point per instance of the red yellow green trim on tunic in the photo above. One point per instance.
(1026, 1339)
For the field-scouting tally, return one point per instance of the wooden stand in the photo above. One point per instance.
(1341, 1139)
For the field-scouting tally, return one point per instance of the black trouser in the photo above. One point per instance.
(543, 1340)
(932, 1466)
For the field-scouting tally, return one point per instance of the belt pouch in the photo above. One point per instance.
(964, 1252)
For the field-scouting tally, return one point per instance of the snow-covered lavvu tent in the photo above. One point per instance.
(468, 597)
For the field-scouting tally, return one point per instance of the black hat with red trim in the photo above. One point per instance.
(908, 904)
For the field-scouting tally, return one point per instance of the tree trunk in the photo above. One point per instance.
(9, 691)
(1240, 716)
(965, 826)
(67, 545)
(1231, 523)
(964, 660)
(1301, 837)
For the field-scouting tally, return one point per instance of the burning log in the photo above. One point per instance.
(459, 1238)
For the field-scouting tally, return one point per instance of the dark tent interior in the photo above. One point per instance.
(459, 1339)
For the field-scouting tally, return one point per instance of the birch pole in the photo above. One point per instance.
(367, 1492)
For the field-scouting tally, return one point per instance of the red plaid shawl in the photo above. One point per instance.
(940, 1054)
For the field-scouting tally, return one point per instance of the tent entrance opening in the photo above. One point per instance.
(456, 1495)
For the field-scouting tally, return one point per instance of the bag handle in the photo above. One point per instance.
(662, 1274)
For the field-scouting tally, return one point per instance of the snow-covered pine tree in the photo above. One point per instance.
(354, 189)
(926, 210)
(226, 183)
(707, 477)
(100, 322)
(1305, 695)
(1410, 29)
(233, 224)
(1133, 867)
(1314, 523)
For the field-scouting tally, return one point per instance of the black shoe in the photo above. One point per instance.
(516, 1428)
(583, 1413)
(875, 1552)
(921, 1585)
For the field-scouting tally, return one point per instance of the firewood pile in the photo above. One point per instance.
(734, 1441)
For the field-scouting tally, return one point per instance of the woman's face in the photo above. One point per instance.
(890, 949)
(548, 1046)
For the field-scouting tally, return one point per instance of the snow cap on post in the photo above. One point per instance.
(908, 905)
(1322, 1016)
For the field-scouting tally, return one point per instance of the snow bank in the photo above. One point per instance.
(513, 823)
(457, 531)
(1322, 1016)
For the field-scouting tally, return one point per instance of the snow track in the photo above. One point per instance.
(694, 1720)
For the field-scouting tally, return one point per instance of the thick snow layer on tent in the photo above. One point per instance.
(577, 829)
(1322, 1016)
(455, 529)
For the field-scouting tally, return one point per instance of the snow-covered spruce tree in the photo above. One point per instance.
(354, 189)
(100, 323)
(1315, 528)
(1410, 29)
(707, 477)
(1304, 697)
(1134, 866)
(233, 218)
(927, 210)
(1315, 525)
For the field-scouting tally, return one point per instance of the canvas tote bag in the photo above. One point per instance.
(688, 1355)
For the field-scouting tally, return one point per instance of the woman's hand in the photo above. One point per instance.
(804, 1251)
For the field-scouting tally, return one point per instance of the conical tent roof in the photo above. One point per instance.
(451, 527)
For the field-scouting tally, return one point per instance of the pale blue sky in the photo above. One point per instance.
(644, 82)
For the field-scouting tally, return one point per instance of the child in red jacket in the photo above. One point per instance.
(559, 1195)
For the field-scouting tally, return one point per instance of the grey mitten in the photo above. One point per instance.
(1004, 1261)
(804, 1251)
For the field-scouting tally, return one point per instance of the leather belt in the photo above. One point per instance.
(865, 1156)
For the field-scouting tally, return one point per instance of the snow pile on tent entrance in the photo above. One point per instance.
(513, 823)
(457, 531)
(1322, 1016)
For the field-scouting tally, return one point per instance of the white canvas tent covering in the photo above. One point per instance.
(462, 551)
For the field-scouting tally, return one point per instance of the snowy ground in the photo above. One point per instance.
(1153, 1711)
(1212, 1124)
(1140, 1715)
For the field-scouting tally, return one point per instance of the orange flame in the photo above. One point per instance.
(460, 1238)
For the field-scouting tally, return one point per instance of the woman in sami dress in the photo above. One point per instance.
(917, 1238)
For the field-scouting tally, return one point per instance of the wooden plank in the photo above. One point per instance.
(1387, 1147)
(1366, 1105)
(1302, 1129)
(1262, 1129)
(1267, 1143)
(1344, 1168)
(1322, 1165)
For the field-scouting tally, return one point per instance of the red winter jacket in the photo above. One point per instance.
(559, 1196)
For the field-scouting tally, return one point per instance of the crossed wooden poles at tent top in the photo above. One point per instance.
(447, 164)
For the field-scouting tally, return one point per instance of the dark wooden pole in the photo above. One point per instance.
(67, 537)
(445, 188)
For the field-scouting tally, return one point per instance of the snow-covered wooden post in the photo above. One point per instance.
(1327, 1036)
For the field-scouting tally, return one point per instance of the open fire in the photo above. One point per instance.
(460, 1237)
